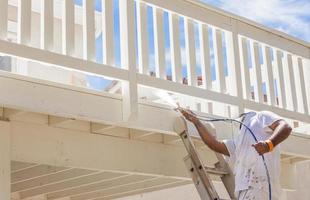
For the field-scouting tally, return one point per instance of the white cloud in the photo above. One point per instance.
(289, 16)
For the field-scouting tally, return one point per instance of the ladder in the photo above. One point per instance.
(199, 173)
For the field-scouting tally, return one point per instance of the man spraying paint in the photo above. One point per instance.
(244, 153)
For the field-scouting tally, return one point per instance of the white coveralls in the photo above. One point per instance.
(249, 170)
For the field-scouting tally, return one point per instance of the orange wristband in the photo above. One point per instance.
(270, 145)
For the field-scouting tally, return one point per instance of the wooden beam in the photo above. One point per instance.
(72, 184)
(63, 122)
(53, 178)
(34, 171)
(97, 186)
(5, 161)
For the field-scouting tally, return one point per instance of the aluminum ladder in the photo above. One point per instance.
(199, 173)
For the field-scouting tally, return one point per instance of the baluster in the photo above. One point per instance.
(89, 30)
(270, 77)
(205, 56)
(68, 25)
(159, 43)
(190, 52)
(292, 81)
(257, 71)
(107, 32)
(303, 85)
(176, 66)
(245, 68)
(47, 25)
(218, 58)
(3, 19)
(24, 22)
(142, 38)
(281, 86)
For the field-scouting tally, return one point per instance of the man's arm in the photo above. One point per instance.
(281, 131)
(206, 137)
(210, 139)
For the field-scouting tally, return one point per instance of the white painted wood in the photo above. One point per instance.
(3, 19)
(270, 78)
(5, 160)
(143, 47)
(89, 30)
(258, 86)
(219, 60)
(68, 28)
(176, 65)
(207, 14)
(47, 25)
(24, 22)
(233, 60)
(292, 81)
(190, 51)
(62, 60)
(159, 43)
(280, 82)
(60, 176)
(245, 69)
(303, 85)
(108, 32)
(128, 59)
(205, 56)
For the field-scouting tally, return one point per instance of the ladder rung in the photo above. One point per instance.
(216, 171)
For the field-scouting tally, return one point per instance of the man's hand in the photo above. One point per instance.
(261, 147)
(189, 115)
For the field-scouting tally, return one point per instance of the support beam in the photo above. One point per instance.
(5, 160)
(71, 148)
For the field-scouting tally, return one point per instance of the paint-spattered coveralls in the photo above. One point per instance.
(248, 167)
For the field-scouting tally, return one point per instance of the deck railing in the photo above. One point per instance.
(237, 62)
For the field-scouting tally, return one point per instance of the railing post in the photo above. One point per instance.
(3, 19)
(245, 68)
(128, 59)
(234, 64)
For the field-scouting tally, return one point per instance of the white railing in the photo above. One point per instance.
(265, 69)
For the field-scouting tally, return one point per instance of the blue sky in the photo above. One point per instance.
(289, 16)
